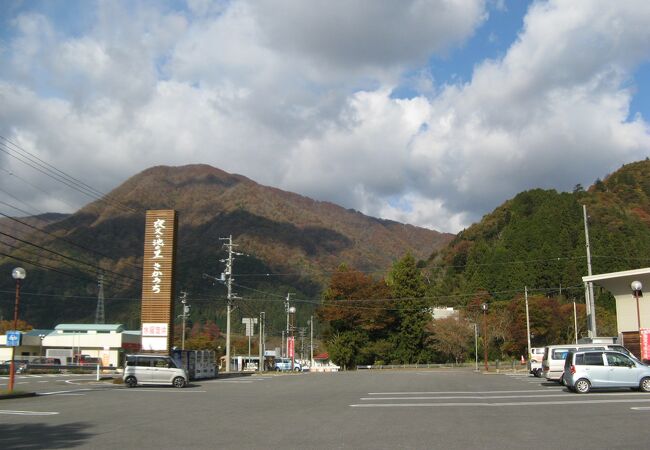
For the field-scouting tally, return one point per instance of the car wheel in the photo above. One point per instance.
(131, 382)
(296, 369)
(645, 384)
(582, 386)
(538, 373)
(179, 382)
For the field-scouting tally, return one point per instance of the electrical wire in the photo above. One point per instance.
(15, 151)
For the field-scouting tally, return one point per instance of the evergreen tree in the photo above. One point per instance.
(408, 289)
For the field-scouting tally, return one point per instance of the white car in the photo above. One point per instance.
(153, 369)
(584, 370)
(284, 364)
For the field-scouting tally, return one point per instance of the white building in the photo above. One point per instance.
(627, 316)
(104, 341)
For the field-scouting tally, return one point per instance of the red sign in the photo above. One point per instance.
(644, 336)
(290, 347)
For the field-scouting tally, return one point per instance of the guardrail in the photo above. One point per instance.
(492, 365)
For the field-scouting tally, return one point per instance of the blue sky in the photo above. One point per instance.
(428, 112)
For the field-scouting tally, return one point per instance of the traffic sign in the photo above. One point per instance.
(14, 338)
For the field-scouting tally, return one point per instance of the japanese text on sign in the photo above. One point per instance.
(158, 244)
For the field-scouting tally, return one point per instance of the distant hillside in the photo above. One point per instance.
(290, 244)
(537, 240)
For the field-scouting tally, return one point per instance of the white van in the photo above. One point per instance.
(153, 369)
(554, 355)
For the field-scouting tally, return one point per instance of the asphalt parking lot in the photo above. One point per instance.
(444, 409)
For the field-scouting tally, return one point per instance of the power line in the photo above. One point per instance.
(65, 240)
(15, 151)
(61, 255)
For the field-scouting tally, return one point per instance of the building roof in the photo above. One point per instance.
(37, 332)
(618, 283)
(85, 327)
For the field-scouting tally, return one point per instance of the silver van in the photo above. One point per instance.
(554, 355)
(584, 370)
(153, 369)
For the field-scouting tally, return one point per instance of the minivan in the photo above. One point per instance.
(584, 370)
(153, 369)
(554, 355)
(284, 364)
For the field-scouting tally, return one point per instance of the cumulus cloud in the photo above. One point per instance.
(299, 95)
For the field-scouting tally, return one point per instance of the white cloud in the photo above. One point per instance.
(297, 95)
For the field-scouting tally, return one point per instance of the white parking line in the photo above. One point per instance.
(487, 397)
(641, 408)
(474, 404)
(28, 413)
(188, 391)
(62, 392)
(458, 392)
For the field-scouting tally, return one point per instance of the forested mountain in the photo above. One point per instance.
(537, 239)
(289, 243)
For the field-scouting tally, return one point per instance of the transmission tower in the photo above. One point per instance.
(99, 314)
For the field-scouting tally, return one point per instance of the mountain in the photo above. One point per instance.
(537, 239)
(290, 243)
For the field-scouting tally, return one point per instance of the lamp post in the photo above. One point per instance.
(636, 291)
(484, 307)
(41, 337)
(290, 327)
(18, 274)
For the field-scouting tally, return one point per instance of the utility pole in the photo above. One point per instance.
(99, 313)
(227, 276)
(527, 323)
(311, 342)
(575, 320)
(286, 309)
(184, 316)
(589, 288)
(261, 361)
(302, 332)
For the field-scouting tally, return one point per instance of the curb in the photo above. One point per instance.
(17, 395)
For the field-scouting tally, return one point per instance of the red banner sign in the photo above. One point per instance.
(644, 336)
(290, 346)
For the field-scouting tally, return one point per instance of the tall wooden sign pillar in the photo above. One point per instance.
(157, 312)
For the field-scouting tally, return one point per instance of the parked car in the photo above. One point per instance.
(554, 355)
(86, 360)
(45, 361)
(284, 364)
(153, 369)
(586, 370)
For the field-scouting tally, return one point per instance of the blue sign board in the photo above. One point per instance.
(14, 338)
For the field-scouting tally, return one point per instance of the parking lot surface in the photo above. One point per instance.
(444, 409)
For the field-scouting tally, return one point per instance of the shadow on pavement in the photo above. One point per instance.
(41, 435)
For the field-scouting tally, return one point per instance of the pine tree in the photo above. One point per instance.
(408, 289)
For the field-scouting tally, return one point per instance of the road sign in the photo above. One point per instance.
(14, 338)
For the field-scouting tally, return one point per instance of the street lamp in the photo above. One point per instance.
(484, 307)
(18, 274)
(636, 291)
(291, 313)
(41, 337)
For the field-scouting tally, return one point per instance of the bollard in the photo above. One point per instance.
(97, 372)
